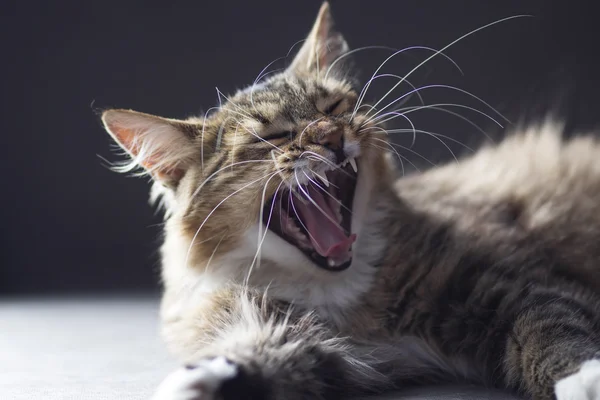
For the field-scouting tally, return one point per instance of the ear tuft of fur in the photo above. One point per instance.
(162, 147)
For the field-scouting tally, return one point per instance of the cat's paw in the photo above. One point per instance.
(582, 385)
(202, 381)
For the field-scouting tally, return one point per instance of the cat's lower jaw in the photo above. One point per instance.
(582, 385)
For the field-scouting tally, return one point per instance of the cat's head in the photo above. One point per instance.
(292, 152)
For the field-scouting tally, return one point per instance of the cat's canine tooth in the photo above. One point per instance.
(292, 227)
(353, 163)
(323, 178)
(304, 242)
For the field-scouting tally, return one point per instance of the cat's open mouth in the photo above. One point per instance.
(316, 217)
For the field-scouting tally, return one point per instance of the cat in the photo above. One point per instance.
(298, 264)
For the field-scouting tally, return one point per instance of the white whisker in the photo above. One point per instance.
(408, 95)
(438, 107)
(233, 146)
(312, 201)
(314, 182)
(261, 236)
(306, 127)
(291, 201)
(279, 171)
(233, 104)
(223, 169)
(366, 105)
(263, 72)
(398, 114)
(202, 136)
(417, 90)
(206, 269)
(460, 116)
(365, 88)
(319, 157)
(394, 150)
(409, 150)
(220, 133)
(414, 131)
(430, 133)
(445, 48)
(321, 177)
(229, 110)
(255, 134)
(215, 208)
(346, 54)
(401, 158)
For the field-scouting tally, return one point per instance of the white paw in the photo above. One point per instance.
(199, 383)
(582, 385)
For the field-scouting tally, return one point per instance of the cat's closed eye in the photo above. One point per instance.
(279, 135)
(334, 107)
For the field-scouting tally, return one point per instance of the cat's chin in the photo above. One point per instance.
(316, 216)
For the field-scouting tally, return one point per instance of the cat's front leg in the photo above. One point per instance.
(204, 380)
(254, 351)
(582, 385)
(554, 350)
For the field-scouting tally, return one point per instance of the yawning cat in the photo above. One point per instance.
(297, 264)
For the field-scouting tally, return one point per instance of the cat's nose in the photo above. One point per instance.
(329, 135)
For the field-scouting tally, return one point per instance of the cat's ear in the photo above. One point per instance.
(321, 48)
(163, 147)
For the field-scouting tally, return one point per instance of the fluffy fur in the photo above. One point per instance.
(485, 270)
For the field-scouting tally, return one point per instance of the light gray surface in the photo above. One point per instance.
(80, 349)
(105, 349)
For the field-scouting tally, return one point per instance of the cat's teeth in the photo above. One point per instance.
(292, 227)
(353, 163)
(301, 238)
(331, 262)
(305, 243)
(323, 178)
(338, 212)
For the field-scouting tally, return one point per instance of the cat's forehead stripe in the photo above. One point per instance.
(284, 97)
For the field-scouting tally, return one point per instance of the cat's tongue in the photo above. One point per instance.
(326, 235)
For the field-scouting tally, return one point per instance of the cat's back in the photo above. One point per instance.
(535, 192)
(540, 176)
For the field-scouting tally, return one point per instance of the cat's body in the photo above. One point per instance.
(468, 247)
(486, 270)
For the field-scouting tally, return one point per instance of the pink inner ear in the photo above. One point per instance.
(127, 139)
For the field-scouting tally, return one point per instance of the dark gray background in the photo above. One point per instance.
(70, 224)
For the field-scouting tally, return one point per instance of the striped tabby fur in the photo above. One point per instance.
(486, 270)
